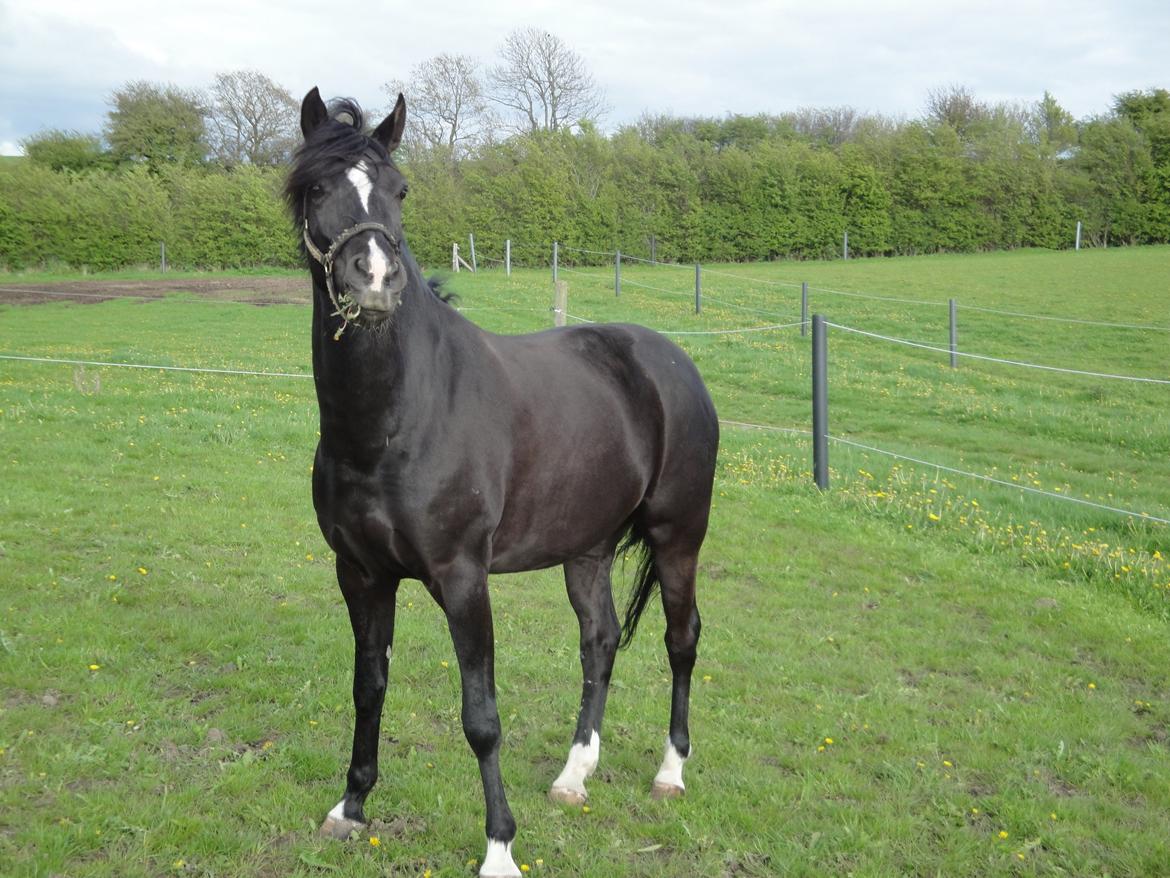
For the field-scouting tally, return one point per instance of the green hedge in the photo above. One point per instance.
(710, 191)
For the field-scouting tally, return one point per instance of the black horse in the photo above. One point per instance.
(448, 453)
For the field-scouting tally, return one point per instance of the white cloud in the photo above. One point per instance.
(60, 61)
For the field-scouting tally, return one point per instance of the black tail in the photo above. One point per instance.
(645, 581)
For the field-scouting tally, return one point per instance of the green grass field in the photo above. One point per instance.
(913, 673)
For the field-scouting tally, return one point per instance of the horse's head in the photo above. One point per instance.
(346, 196)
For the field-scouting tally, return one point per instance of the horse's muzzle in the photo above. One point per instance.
(374, 278)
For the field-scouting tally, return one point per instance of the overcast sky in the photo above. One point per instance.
(61, 59)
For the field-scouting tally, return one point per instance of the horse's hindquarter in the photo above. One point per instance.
(595, 408)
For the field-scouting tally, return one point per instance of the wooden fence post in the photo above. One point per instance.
(560, 302)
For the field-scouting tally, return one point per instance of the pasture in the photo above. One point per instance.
(913, 673)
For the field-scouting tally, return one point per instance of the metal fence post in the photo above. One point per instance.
(555, 254)
(508, 257)
(954, 336)
(820, 394)
(617, 273)
(1078, 234)
(471, 240)
(698, 288)
(804, 308)
(845, 248)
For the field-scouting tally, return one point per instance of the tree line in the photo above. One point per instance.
(513, 151)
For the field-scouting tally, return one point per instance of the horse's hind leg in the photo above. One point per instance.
(588, 583)
(676, 572)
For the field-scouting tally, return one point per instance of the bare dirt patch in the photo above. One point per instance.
(259, 290)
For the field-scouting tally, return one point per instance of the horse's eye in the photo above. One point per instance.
(402, 194)
(316, 190)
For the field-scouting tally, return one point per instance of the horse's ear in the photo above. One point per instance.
(313, 112)
(389, 133)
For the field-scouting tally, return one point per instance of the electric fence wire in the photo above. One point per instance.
(950, 469)
(880, 298)
(152, 297)
(987, 359)
(149, 367)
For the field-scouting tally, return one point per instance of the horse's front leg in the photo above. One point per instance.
(371, 613)
(463, 592)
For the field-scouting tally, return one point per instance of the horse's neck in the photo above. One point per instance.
(366, 377)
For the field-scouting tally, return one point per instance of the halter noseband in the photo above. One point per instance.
(345, 306)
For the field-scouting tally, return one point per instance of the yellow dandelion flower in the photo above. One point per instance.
(95, 667)
(829, 741)
(1003, 833)
(142, 570)
(539, 861)
(585, 809)
(524, 867)
(444, 664)
(948, 763)
(375, 841)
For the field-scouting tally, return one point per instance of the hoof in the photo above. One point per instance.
(566, 796)
(339, 827)
(666, 791)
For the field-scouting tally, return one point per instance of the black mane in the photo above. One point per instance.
(334, 145)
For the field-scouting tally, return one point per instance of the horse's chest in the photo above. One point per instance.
(358, 511)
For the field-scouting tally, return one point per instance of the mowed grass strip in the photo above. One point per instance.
(878, 692)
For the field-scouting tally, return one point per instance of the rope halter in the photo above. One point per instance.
(345, 306)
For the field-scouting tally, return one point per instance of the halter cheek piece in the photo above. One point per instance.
(344, 306)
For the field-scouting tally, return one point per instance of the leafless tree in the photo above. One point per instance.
(544, 83)
(252, 119)
(957, 106)
(831, 125)
(447, 105)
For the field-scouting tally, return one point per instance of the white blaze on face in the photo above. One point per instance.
(377, 258)
(359, 176)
